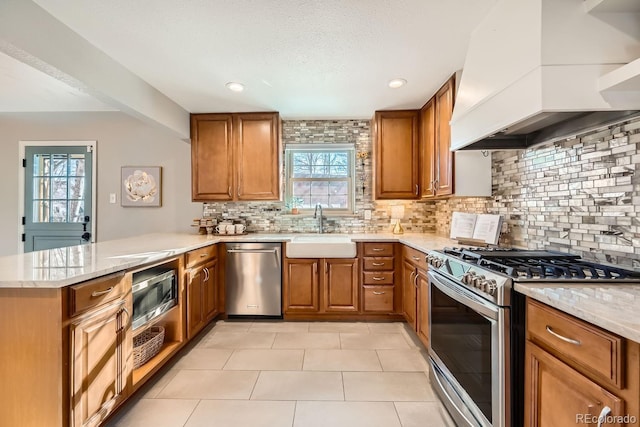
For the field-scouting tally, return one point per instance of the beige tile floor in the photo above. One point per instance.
(293, 374)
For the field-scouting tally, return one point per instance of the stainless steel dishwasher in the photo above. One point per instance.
(253, 279)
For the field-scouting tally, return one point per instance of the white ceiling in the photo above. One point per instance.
(25, 89)
(304, 58)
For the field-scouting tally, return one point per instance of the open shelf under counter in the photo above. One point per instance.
(145, 371)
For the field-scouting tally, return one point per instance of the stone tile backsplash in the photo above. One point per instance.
(580, 195)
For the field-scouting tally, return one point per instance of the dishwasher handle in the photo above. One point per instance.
(256, 251)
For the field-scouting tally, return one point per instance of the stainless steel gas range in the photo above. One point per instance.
(477, 325)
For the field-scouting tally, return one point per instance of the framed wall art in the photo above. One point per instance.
(141, 186)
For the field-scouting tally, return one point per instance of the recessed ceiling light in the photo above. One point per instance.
(396, 83)
(236, 87)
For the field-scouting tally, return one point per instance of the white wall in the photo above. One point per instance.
(122, 141)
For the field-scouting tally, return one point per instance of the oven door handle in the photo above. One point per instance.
(459, 294)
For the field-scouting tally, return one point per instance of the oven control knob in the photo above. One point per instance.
(492, 285)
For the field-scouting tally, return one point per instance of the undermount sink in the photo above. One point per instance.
(321, 246)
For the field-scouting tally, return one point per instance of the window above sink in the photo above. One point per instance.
(321, 174)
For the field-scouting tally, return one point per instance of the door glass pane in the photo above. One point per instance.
(40, 211)
(76, 210)
(76, 165)
(41, 164)
(59, 211)
(59, 165)
(41, 188)
(76, 188)
(59, 188)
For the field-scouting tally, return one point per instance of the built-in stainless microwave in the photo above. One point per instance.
(155, 291)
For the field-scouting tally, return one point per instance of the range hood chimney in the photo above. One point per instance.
(540, 70)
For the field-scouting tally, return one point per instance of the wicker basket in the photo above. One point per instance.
(146, 345)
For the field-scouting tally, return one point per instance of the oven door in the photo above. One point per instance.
(468, 352)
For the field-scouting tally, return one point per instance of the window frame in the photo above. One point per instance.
(290, 149)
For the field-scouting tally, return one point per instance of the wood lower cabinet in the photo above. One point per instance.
(301, 290)
(66, 357)
(202, 290)
(396, 154)
(575, 372)
(320, 285)
(409, 293)
(341, 285)
(415, 292)
(235, 156)
(422, 306)
(99, 363)
(558, 395)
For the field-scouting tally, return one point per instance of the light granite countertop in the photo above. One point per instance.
(56, 268)
(612, 307)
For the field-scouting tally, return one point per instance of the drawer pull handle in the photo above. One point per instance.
(565, 339)
(415, 258)
(100, 293)
(377, 249)
(378, 278)
(203, 255)
(377, 264)
(378, 293)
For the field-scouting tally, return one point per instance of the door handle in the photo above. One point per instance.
(416, 189)
(206, 274)
(86, 236)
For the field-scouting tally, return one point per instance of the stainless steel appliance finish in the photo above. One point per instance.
(253, 277)
(477, 324)
(154, 291)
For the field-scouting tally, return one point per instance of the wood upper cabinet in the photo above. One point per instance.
(427, 149)
(301, 291)
(257, 165)
(235, 156)
(212, 157)
(556, 394)
(99, 367)
(341, 285)
(396, 154)
(437, 160)
(444, 156)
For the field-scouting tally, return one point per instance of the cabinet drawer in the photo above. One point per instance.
(378, 264)
(201, 255)
(414, 256)
(378, 298)
(573, 340)
(378, 277)
(95, 292)
(378, 249)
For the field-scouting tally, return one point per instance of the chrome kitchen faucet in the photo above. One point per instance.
(315, 215)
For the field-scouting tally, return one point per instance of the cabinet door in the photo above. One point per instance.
(341, 285)
(396, 155)
(211, 157)
(210, 290)
(301, 286)
(195, 312)
(428, 149)
(444, 156)
(409, 293)
(556, 395)
(257, 148)
(422, 320)
(98, 364)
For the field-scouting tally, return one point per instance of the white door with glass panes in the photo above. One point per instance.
(57, 196)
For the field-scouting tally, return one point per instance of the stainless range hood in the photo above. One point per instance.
(540, 70)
